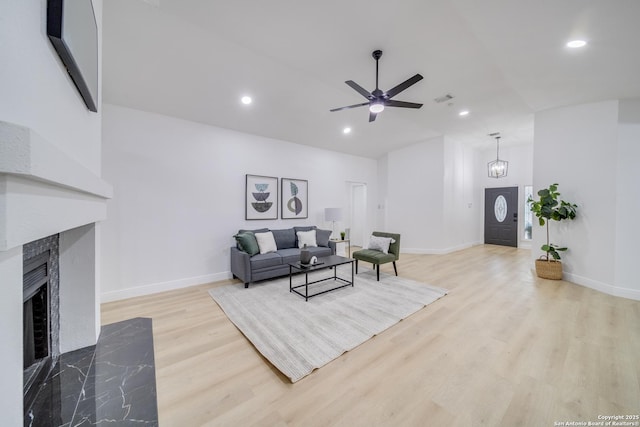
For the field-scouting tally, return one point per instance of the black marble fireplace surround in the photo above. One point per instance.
(111, 383)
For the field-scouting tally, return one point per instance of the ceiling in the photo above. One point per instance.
(502, 60)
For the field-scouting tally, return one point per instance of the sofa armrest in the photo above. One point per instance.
(240, 265)
(333, 245)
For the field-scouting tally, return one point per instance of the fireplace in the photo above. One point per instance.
(44, 191)
(40, 314)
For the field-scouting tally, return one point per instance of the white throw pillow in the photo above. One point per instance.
(266, 242)
(308, 238)
(380, 243)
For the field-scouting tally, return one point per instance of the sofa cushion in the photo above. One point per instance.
(306, 238)
(271, 259)
(266, 242)
(322, 237)
(289, 255)
(320, 251)
(381, 244)
(247, 242)
(257, 230)
(285, 238)
(373, 256)
(302, 228)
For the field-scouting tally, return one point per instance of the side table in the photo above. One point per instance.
(347, 241)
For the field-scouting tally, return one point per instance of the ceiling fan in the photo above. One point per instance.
(378, 99)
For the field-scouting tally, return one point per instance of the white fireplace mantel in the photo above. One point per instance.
(43, 191)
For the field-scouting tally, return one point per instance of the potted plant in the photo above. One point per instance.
(548, 207)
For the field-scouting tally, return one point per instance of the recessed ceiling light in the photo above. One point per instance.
(346, 130)
(576, 44)
(246, 100)
(463, 113)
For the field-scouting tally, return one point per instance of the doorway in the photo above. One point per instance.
(501, 216)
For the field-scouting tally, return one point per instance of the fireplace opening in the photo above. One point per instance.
(36, 310)
(39, 347)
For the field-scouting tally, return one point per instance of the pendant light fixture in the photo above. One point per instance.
(497, 168)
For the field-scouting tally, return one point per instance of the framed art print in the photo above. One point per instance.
(261, 197)
(295, 198)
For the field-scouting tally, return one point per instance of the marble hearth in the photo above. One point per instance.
(111, 383)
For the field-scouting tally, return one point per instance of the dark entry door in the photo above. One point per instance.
(501, 216)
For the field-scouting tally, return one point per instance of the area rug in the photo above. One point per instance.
(298, 336)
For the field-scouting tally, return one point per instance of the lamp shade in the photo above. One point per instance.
(332, 214)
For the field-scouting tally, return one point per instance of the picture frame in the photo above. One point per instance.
(261, 197)
(73, 31)
(295, 198)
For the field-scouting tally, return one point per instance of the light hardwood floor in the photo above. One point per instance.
(503, 348)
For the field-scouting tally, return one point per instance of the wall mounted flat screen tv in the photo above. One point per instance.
(72, 29)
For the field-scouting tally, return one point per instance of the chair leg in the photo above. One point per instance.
(394, 268)
(356, 266)
(378, 271)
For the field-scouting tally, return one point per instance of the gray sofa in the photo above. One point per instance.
(252, 268)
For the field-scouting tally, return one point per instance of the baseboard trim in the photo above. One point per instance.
(155, 288)
(608, 289)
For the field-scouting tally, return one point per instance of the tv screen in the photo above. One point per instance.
(71, 27)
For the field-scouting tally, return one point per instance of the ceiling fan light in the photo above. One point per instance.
(376, 107)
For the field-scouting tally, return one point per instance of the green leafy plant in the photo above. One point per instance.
(548, 207)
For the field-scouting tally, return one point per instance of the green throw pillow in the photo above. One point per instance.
(248, 243)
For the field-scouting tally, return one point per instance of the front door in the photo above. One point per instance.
(501, 216)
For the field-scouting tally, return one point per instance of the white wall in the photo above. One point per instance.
(79, 321)
(429, 196)
(415, 187)
(461, 209)
(594, 158)
(627, 199)
(575, 147)
(179, 196)
(37, 93)
(11, 336)
(36, 89)
(520, 174)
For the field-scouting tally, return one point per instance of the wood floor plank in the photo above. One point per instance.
(502, 348)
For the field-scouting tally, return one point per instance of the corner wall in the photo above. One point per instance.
(627, 200)
(591, 150)
(179, 196)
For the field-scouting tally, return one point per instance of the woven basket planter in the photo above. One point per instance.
(549, 269)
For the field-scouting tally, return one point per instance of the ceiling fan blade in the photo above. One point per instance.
(362, 91)
(372, 116)
(393, 103)
(402, 86)
(350, 106)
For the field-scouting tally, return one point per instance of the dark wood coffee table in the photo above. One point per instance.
(323, 263)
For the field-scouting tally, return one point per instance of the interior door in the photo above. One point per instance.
(501, 216)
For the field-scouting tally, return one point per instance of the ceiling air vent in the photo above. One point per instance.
(443, 98)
